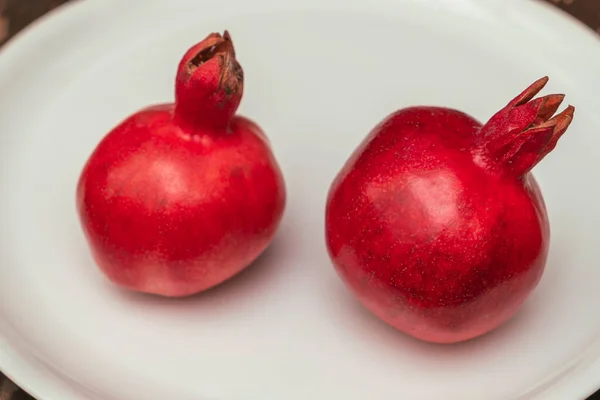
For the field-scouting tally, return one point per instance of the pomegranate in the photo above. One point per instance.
(180, 197)
(436, 223)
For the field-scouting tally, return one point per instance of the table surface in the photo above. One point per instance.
(16, 14)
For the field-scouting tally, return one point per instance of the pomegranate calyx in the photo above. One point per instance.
(520, 135)
(209, 84)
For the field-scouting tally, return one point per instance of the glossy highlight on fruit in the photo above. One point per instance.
(180, 197)
(436, 223)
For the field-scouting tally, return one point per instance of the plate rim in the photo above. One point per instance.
(19, 368)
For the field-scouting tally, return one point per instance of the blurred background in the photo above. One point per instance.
(17, 14)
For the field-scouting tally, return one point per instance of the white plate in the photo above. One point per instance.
(320, 75)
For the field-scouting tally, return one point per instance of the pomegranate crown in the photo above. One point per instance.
(209, 84)
(521, 134)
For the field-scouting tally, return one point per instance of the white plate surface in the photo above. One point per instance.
(320, 74)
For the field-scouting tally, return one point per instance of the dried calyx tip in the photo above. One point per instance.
(566, 117)
(560, 121)
(215, 44)
(546, 106)
(530, 92)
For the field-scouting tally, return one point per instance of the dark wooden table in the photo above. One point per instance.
(16, 14)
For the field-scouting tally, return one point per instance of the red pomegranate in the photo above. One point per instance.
(181, 197)
(436, 223)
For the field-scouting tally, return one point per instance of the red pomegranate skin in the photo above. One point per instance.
(436, 224)
(180, 197)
